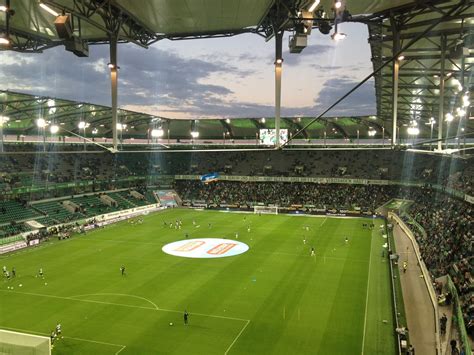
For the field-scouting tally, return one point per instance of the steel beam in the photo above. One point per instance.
(441, 92)
(113, 85)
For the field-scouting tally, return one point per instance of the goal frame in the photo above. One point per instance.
(27, 335)
(265, 209)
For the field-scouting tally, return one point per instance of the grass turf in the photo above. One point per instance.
(274, 299)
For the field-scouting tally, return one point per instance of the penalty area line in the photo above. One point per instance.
(237, 337)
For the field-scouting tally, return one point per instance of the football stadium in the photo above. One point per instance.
(236, 177)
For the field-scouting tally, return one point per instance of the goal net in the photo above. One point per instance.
(22, 343)
(265, 209)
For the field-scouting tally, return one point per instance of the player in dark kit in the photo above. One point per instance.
(186, 316)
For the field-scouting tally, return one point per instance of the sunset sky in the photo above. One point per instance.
(228, 77)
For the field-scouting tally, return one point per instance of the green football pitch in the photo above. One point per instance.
(273, 299)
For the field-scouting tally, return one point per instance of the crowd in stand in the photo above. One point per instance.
(323, 196)
(30, 168)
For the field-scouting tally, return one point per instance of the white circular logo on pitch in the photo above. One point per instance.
(205, 248)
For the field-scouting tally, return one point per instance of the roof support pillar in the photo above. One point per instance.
(278, 72)
(395, 70)
(113, 81)
(442, 76)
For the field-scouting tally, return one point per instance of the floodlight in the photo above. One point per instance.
(337, 36)
(449, 117)
(461, 112)
(48, 9)
(372, 132)
(465, 101)
(338, 4)
(413, 131)
(41, 123)
(194, 134)
(54, 129)
(3, 8)
(158, 133)
(279, 61)
(401, 57)
(82, 125)
(4, 39)
(314, 5)
(3, 120)
(95, 131)
(262, 120)
(227, 120)
(121, 126)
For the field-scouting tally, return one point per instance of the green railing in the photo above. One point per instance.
(458, 319)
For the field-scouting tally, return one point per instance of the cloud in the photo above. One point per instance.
(360, 102)
(146, 76)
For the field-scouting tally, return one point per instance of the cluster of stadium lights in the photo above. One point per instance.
(336, 36)
(460, 111)
(4, 39)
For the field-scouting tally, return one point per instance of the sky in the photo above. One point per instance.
(206, 78)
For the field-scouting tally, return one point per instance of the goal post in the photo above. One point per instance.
(265, 209)
(23, 343)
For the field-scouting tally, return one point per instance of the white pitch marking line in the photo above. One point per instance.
(237, 337)
(118, 294)
(367, 295)
(122, 304)
(324, 221)
(26, 331)
(118, 352)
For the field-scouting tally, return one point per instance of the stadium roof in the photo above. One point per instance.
(23, 110)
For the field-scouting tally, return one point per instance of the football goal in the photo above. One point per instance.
(265, 209)
(23, 343)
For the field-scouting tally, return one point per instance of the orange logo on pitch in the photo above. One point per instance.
(190, 246)
(221, 248)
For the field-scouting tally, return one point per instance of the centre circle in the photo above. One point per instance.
(205, 248)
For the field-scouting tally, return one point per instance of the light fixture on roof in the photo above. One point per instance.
(54, 129)
(337, 36)
(194, 134)
(112, 66)
(41, 122)
(262, 120)
(372, 132)
(121, 126)
(337, 4)
(401, 57)
(48, 9)
(227, 120)
(3, 120)
(314, 5)
(465, 101)
(279, 61)
(158, 133)
(449, 117)
(413, 131)
(3, 8)
(4, 40)
(82, 125)
(95, 131)
(461, 112)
